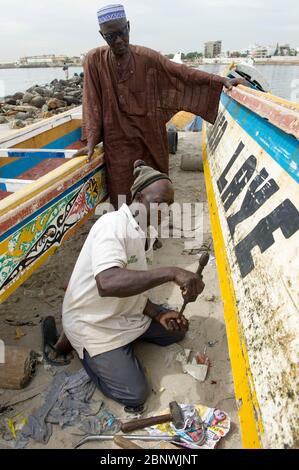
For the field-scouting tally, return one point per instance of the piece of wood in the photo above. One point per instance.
(18, 368)
(26, 395)
(125, 443)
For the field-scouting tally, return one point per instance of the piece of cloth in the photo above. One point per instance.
(100, 324)
(144, 176)
(67, 403)
(119, 374)
(129, 111)
(111, 13)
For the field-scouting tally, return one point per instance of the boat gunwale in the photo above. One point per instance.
(50, 179)
(281, 113)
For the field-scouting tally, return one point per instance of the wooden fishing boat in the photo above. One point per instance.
(251, 165)
(45, 195)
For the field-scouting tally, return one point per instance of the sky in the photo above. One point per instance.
(70, 27)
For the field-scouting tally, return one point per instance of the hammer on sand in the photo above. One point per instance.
(175, 415)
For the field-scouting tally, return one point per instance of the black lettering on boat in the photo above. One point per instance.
(217, 132)
(255, 197)
(285, 217)
(222, 182)
(239, 181)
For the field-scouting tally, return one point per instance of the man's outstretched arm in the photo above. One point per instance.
(195, 76)
(122, 282)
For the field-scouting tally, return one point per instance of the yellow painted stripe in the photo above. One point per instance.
(6, 160)
(248, 408)
(48, 136)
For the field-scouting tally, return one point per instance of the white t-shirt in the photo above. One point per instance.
(101, 324)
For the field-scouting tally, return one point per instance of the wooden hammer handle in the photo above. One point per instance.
(145, 422)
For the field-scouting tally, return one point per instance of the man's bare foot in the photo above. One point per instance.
(55, 350)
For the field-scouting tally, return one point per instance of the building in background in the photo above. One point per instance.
(44, 59)
(7, 64)
(212, 49)
(261, 52)
(50, 60)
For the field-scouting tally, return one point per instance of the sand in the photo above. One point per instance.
(43, 293)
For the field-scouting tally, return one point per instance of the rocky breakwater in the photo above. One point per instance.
(40, 102)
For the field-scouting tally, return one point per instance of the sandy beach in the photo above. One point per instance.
(43, 293)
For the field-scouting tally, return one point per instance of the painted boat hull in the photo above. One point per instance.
(251, 164)
(36, 219)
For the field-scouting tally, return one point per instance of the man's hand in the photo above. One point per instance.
(170, 321)
(81, 152)
(191, 284)
(88, 150)
(229, 83)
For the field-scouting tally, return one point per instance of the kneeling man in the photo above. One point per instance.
(106, 306)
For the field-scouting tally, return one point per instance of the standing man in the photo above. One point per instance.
(66, 70)
(130, 93)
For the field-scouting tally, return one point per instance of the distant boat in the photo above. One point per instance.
(45, 195)
(177, 58)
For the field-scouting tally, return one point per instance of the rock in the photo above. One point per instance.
(19, 108)
(60, 110)
(57, 88)
(58, 95)
(71, 100)
(18, 96)
(55, 103)
(17, 124)
(45, 108)
(10, 100)
(32, 88)
(30, 121)
(38, 101)
(54, 82)
(198, 371)
(76, 93)
(47, 114)
(68, 90)
(23, 116)
(28, 97)
(77, 80)
(3, 120)
(48, 93)
(42, 91)
(63, 82)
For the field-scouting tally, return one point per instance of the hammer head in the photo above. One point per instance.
(177, 416)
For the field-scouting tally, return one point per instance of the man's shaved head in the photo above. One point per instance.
(159, 192)
(152, 198)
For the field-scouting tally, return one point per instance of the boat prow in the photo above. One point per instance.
(45, 195)
(251, 164)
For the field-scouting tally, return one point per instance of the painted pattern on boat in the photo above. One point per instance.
(40, 213)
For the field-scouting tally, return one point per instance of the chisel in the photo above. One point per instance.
(203, 261)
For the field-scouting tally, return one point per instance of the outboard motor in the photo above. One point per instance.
(253, 77)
